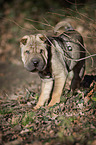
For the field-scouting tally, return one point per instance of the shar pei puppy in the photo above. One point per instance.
(53, 57)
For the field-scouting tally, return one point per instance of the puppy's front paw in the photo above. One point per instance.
(36, 107)
(53, 102)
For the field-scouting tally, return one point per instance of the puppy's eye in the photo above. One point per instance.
(41, 50)
(27, 51)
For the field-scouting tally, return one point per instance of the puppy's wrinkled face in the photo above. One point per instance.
(34, 53)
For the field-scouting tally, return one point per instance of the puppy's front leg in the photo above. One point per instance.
(57, 91)
(45, 92)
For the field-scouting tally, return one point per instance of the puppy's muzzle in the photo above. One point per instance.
(35, 64)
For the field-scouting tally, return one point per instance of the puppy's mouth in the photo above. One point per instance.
(34, 70)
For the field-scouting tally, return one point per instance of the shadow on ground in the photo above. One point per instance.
(13, 77)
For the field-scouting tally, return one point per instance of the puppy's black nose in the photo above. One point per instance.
(35, 62)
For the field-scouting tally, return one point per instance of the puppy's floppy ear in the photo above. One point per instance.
(24, 40)
(41, 37)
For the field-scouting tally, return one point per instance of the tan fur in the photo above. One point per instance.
(59, 75)
(45, 93)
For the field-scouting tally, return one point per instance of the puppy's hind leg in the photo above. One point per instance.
(78, 75)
